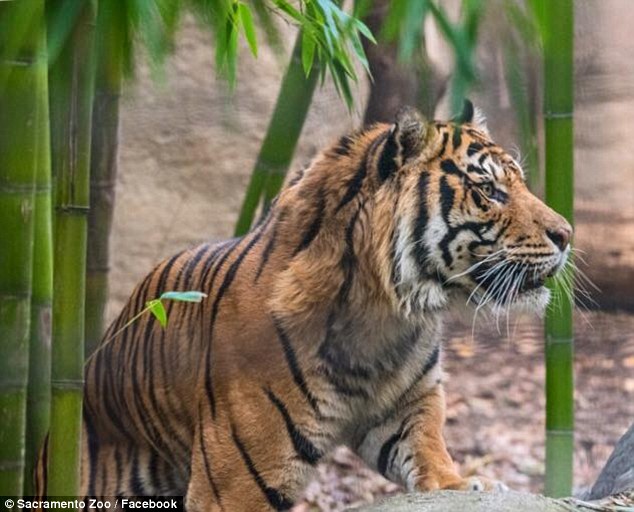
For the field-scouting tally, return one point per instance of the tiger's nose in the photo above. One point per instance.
(560, 236)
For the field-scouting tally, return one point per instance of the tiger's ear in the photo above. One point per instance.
(472, 115)
(406, 140)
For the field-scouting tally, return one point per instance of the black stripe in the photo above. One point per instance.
(203, 449)
(296, 179)
(118, 464)
(270, 245)
(266, 254)
(456, 138)
(163, 364)
(93, 451)
(222, 290)
(477, 199)
(420, 225)
(477, 170)
(153, 473)
(387, 161)
(304, 448)
(473, 148)
(447, 197)
(275, 498)
(432, 360)
(443, 146)
(396, 266)
(229, 246)
(384, 453)
(293, 365)
(342, 387)
(148, 341)
(208, 378)
(384, 463)
(200, 283)
(136, 485)
(104, 368)
(315, 226)
(450, 167)
(477, 228)
(341, 363)
(348, 258)
(190, 267)
(107, 367)
(356, 182)
(343, 146)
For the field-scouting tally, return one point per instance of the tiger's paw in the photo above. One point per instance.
(478, 483)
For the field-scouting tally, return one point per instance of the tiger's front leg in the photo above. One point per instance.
(409, 448)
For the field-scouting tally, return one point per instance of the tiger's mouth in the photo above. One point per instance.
(504, 282)
(529, 284)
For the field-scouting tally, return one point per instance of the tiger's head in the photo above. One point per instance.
(415, 214)
(463, 220)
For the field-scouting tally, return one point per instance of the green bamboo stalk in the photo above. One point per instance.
(21, 63)
(285, 127)
(558, 125)
(39, 391)
(109, 44)
(71, 82)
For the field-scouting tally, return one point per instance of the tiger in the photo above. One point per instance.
(321, 326)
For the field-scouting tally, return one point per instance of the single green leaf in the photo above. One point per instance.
(359, 52)
(249, 28)
(286, 7)
(158, 310)
(308, 51)
(363, 28)
(231, 59)
(188, 296)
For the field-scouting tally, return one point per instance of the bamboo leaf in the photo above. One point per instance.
(290, 10)
(246, 20)
(308, 52)
(230, 57)
(363, 28)
(267, 24)
(188, 296)
(158, 310)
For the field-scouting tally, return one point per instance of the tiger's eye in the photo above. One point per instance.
(487, 189)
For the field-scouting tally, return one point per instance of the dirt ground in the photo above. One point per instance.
(188, 147)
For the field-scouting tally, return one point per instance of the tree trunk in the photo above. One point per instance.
(70, 92)
(103, 165)
(22, 64)
(396, 84)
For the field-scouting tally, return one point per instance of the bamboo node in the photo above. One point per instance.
(558, 115)
(71, 384)
(11, 465)
(560, 432)
(73, 209)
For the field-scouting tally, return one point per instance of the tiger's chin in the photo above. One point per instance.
(533, 301)
(465, 304)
